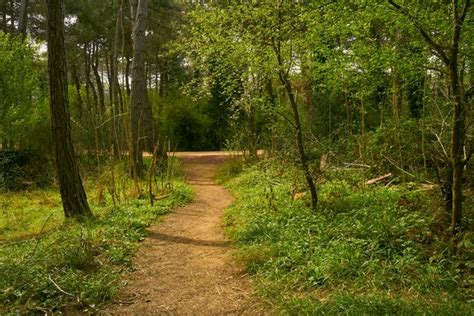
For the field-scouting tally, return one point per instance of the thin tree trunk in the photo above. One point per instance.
(272, 118)
(77, 86)
(98, 79)
(127, 76)
(12, 19)
(23, 18)
(397, 112)
(89, 85)
(109, 68)
(140, 111)
(299, 140)
(457, 141)
(162, 150)
(73, 195)
(116, 98)
(363, 146)
(459, 114)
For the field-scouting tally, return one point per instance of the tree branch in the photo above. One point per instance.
(436, 46)
(286, 119)
(469, 93)
(465, 9)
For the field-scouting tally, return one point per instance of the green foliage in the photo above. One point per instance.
(68, 266)
(229, 170)
(20, 169)
(22, 92)
(187, 124)
(366, 250)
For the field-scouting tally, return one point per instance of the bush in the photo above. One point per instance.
(23, 168)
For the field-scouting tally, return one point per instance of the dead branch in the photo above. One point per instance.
(58, 287)
(378, 179)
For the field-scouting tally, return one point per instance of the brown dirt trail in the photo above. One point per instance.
(184, 266)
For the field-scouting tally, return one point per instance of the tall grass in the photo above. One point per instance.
(48, 264)
(366, 250)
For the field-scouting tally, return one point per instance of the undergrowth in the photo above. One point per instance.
(365, 250)
(48, 264)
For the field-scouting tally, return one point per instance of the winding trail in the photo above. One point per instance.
(184, 265)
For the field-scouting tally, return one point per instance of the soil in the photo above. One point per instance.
(184, 266)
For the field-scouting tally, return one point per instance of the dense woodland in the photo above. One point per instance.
(354, 119)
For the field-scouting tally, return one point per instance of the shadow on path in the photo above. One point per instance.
(189, 241)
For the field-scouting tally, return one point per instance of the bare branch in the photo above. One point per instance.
(58, 287)
(286, 119)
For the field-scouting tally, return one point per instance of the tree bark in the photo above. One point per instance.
(272, 116)
(458, 132)
(73, 195)
(98, 79)
(77, 86)
(115, 87)
(89, 85)
(141, 123)
(299, 141)
(459, 114)
(162, 150)
(23, 18)
(127, 76)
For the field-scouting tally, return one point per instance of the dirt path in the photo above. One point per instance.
(184, 266)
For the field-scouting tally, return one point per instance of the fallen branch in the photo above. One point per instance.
(395, 165)
(375, 180)
(160, 197)
(350, 164)
(57, 286)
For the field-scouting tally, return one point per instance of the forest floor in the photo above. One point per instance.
(184, 266)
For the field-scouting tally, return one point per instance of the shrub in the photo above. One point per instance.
(23, 168)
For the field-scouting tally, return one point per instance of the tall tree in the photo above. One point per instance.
(23, 19)
(73, 195)
(140, 111)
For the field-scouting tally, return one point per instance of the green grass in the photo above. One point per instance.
(48, 264)
(366, 250)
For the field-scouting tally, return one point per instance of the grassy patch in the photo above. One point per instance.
(229, 170)
(366, 250)
(47, 264)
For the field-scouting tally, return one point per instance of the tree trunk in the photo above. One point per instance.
(299, 139)
(12, 18)
(89, 85)
(252, 132)
(162, 150)
(23, 18)
(363, 143)
(140, 111)
(108, 66)
(115, 87)
(459, 114)
(415, 95)
(457, 143)
(272, 118)
(73, 195)
(127, 76)
(98, 79)
(77, 86)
